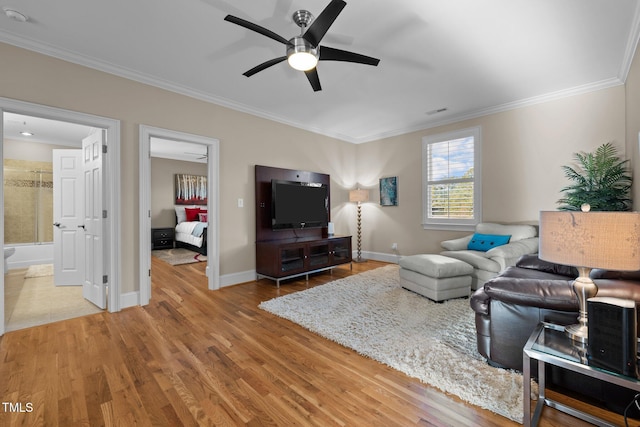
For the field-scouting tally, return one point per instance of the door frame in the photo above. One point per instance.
(111, 254)
(213, 206)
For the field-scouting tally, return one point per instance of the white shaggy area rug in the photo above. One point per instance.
(372, 314)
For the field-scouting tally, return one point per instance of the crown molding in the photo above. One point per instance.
(632, 44)
(565, 93)
(90, 62)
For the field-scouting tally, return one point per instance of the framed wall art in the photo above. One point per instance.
(389, 191)
(191, 189)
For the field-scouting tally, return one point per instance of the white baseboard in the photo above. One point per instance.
(236, 278)
(379, 256)
(130, 299)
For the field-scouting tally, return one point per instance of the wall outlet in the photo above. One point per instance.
(394, 246)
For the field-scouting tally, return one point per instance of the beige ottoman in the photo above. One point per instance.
(436, 276)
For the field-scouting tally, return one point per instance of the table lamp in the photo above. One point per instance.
(588, 240)
(359, 196)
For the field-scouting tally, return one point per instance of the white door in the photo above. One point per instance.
(68, 217)
(94, 287)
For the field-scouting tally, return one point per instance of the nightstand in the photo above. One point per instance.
(162, 238)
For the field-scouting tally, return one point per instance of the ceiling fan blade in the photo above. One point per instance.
(332, 54)
(264, 66)
(255, 27)
(321, 24)
(312, 76)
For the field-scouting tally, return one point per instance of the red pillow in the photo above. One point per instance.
(192, 213)
(202, 217)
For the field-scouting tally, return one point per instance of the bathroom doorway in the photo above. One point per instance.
(31, 181)
(27, 205)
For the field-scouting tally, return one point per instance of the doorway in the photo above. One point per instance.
(213, 239)
(42, 283)
(110, 272)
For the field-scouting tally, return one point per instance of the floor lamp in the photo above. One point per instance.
(359, 196)
(587, 240)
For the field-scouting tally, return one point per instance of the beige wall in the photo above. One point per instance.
(632, 87)
(523, 150)
(33, 151)
(163, 195)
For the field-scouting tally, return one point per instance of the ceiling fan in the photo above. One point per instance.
(201, 155)
(304, 51)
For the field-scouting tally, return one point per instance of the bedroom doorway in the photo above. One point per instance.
(109, 273)
(211, 149)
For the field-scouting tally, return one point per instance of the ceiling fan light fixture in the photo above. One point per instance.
(301, 55)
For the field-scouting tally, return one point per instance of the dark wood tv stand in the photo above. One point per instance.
(285, 254)
(287, 258)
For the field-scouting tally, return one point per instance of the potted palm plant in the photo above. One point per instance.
(600, 179)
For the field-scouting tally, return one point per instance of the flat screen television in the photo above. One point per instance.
(298, 205)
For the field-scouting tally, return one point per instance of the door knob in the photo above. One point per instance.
(57, 224)
(81, 226)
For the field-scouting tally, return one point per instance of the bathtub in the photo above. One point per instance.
(29, 254)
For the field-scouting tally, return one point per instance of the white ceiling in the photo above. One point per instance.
(178, 150)
(44, 131)
(468, 56)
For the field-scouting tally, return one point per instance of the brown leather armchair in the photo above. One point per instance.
(510, 306)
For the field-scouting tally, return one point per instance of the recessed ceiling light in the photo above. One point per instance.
(26, 133)
(15, 15)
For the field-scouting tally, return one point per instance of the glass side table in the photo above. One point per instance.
(548, 344)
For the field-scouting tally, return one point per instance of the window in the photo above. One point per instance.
(452, 180)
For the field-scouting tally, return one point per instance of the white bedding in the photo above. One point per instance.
(184, 233)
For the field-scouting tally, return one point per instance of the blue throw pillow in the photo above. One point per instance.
(484, 242)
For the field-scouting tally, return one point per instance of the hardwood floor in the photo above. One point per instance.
(197, 357)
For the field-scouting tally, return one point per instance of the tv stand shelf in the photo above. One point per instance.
(288, 258)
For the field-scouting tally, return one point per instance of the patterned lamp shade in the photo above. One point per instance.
(586, 240)
(608, 240)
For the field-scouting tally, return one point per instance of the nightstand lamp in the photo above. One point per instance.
(359, 196)
(588, 240)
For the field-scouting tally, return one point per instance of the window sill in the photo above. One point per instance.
(449, 226)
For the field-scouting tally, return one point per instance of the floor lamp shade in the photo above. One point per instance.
(587, 240)
(359, 196)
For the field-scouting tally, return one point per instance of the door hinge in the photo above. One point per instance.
(105, 279)
(104, 149)
(104, 214)
(149, 272)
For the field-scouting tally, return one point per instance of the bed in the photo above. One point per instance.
(191, 228)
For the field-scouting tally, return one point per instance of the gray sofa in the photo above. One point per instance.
(488, 264)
